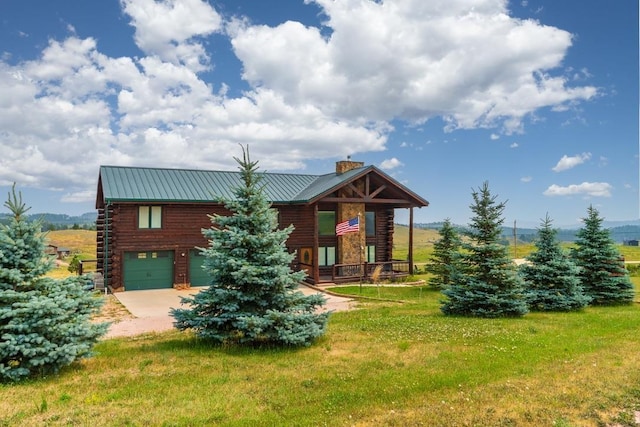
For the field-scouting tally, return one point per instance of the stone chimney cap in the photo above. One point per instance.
(343, 166)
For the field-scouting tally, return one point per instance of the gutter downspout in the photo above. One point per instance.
(105, 260)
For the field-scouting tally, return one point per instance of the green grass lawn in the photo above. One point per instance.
(387, 363)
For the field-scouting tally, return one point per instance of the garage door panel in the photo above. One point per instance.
(148, 270)
(197, 276)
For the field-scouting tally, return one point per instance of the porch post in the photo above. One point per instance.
(411, 240)
(316, 244)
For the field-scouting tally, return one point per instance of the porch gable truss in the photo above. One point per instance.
(372, 188)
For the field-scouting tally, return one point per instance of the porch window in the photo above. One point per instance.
(150, 217)
(326, 223)
(370, 223)
(326, 256)
(371, 253)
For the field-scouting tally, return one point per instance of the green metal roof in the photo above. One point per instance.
(120, 183)
(183, 185)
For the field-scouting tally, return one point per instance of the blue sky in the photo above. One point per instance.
(537, 97)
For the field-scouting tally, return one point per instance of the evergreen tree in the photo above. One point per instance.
(551, 277)
(44, 323)
(74, 264)
(603, 275)
(252, 296)
(488, 284)
(444, 259)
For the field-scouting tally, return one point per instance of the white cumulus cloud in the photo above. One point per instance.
(313, 92)
(567, 162)
(170, 29)
(467, 62)
(593, 189)
(390, 164)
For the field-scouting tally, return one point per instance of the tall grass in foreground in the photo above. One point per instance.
(386, 363)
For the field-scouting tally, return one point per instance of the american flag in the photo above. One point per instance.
(348, 226)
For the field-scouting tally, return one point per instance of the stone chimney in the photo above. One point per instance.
(346, 165)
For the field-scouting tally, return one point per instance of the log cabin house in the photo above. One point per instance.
(150, 222)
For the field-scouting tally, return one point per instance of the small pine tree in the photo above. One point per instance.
(44, 323)
(252, 297)
(488, 284)
(444, 259)
(551, 277)
(603, 275)
(74, 264)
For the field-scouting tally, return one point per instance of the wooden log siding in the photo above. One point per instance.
(182, 226)
(383, 239)
(181, 231)
(303, 220)
(104, 238)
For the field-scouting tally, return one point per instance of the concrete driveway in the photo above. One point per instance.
(151, 309)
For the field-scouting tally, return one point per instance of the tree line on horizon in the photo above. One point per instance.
(52, 222)
(619, 234)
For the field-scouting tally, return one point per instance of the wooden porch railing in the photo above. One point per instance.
(388, 270)
(83, 267)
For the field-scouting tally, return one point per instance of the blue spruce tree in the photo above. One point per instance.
(44, 323)
(551, 277)
(487, 283)
(252, 297)
(603, 275)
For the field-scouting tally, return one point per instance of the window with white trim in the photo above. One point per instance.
(149, 217)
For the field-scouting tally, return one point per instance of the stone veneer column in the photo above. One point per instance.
(351, 245)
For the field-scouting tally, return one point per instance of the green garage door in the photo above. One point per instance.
(197, 276)
(148, 270)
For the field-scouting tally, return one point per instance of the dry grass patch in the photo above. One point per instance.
(82, 242)
(112, 310)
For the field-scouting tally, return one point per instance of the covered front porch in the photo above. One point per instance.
(348, 231)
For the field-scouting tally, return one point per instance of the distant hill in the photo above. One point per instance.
(620, 231)
(58, 221)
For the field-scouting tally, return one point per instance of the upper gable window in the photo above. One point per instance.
(150, 217)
